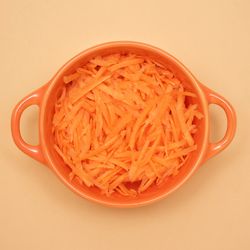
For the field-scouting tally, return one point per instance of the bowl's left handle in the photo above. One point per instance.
(35, 98)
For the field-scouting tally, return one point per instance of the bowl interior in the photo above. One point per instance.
(154, 192)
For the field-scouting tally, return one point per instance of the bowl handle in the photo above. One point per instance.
(214, 98)
(35, 98)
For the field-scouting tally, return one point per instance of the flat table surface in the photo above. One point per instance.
(211, 210)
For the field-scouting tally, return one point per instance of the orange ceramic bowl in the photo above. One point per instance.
(46, 96)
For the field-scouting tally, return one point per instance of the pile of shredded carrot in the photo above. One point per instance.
(122, 123)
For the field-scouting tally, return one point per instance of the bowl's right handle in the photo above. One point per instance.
(214, 98)
(35, 98)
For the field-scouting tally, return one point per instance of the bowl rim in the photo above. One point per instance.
(67, 65)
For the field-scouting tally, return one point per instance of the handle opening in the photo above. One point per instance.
(217, 123)
(29, 125)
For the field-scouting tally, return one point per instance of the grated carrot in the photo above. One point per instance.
(122, 123)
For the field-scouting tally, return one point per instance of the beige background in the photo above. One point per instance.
(211, 211)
